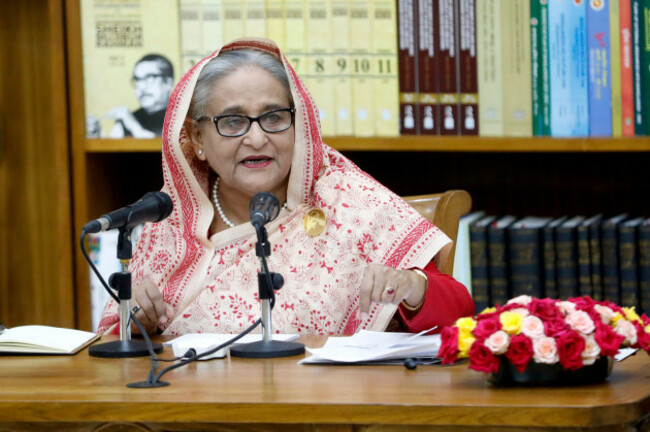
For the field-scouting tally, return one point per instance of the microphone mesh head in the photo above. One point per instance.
(266, 204)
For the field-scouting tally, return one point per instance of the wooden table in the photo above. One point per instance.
(82, 393)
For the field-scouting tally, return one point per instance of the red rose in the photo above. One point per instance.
(520, 351)
(607, 339)
(481, 358)
(583, 303)
(570, 346)
(642, 338)
(484, 328)
(487, 315)
(544, 309)
(555, 327)
(448, 345)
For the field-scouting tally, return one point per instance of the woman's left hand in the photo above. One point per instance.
(383, 284)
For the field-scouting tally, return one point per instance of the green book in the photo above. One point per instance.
(540, 67)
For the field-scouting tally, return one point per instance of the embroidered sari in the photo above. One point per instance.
(211, 282)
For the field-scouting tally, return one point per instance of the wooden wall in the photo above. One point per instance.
(36, 270)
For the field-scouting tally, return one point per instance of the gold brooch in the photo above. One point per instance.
(315, 222)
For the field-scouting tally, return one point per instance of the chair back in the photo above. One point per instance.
(444, 210)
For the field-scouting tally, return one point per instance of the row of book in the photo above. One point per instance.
(605, 258)
(525, 67)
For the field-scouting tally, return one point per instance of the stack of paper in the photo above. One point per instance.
(202, 342)
(369, 346)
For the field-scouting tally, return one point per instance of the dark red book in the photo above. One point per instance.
(467, 73)
(407, 35)
(428, 71)
(448, 61)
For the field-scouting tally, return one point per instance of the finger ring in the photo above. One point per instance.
(389, 290)
(135, 309)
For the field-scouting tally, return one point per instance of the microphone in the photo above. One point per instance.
(264, 207)
(152, 207)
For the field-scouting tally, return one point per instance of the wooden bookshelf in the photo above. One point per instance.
(518, 175)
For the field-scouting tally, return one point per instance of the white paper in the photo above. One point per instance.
(624, 353)
(369, 346)
(202, 342)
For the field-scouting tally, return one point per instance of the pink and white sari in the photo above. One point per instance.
(211, 282)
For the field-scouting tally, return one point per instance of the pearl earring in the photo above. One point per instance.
(200, 152)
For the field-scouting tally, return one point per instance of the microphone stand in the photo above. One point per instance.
(125, 347)
(267, 283)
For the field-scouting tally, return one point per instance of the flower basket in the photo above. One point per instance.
(530, 341)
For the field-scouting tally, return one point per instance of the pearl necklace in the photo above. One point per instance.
(217, 205)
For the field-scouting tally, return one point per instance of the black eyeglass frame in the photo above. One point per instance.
(216, 119)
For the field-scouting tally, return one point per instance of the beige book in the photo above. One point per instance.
(212, 26)
(489, 67)
(295, 13)
(362, 74)
(342, 66)
(255, 18)
(37, 339)
(320, 73)
(275, 22)
(116, 35)
(385, 68)
(191, 33)
(615, 55)
(515, 49)
(233, 23)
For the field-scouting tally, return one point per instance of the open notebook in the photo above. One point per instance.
(37, 339)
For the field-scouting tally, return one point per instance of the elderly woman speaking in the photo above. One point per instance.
(352, 253)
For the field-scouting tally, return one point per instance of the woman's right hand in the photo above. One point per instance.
(154, 313)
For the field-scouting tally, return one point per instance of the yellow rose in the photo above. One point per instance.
(465, 324)
(511, 322)
(465, 341)
(631, 315)
(488, 310)
(647, 329)
(617, 318)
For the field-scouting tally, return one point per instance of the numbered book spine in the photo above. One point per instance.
(191, 30)
(275, 22)
(255, 18)
(467, 70)
(448, 49)
(234, 22)
(295, 13)
(342, 82)
(489, 67)
(600, 77)
(615, 56)
(428, 70)
(627, 73)
(362, 73)
(515, 48)
(385, 82)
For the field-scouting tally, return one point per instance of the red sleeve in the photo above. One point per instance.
(445, 301)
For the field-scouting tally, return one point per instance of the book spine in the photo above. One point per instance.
(566, 259)
(515, 25)
(479, 267)
(448, 50)
(275, 22)
(560, 95)
(428, 73)
(644, 268)
(627, 73)
(342, 83)
(524, 249)
(545, 70)
(550, 274)
(385, 82)
(579, 76)
(362, 68)
(609, 250)
(584, 262)
(645, 64)
(637, 64)
(489, 67)
(535, 66)
(628, 266)
(468, 81)
(599, 61)
(595, 258)
(615, 56)
(408, 67)
(255, 18)
(498, 266)
(190, 32)
(295, 37)
(234, 23)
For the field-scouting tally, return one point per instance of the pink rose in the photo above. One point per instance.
(448, 345)
(566, 307)
(520, 351)
(532, 327)
(570, 346)
(498, 342)
(522, 300)
(481, 359)
(608, 340)
(485, 327)
(580, 322)
(591, 351)
(545, 350)
(606, 313)
(627, 330)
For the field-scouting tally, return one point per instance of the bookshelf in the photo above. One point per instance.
(540, 175)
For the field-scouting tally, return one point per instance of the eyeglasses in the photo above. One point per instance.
(148, 78)
(234, 125)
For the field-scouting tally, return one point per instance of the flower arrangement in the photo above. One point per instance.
(572, 333)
